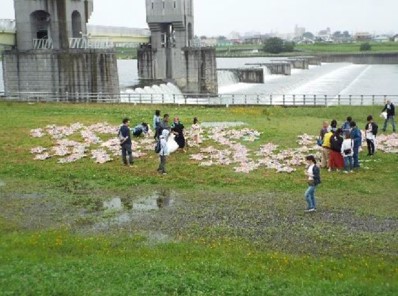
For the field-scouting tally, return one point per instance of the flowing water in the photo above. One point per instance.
(329, 79)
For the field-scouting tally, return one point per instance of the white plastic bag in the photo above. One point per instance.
(172, 145)
(383, 115)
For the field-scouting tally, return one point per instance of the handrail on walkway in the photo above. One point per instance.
(203, 99)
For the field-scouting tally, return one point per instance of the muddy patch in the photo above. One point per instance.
(2, 183)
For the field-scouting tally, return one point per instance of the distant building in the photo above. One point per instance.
(298, 31)
(363, 36)
(381, 39)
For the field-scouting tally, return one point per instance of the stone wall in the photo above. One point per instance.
(362, 58)
(58, 72)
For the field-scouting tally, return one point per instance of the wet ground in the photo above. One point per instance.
(270, 220)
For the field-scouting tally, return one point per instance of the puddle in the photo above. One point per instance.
(153, 202)
(223, 124)
(113, 204)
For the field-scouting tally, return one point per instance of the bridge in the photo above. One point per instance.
(97, 36)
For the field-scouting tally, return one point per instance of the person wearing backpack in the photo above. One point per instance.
(164, 151)
(336, 161)
(314, 179)
(371, 129)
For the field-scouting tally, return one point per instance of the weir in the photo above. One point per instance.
(276, 68)
(247, 75)
(47, 57)
(171, 54)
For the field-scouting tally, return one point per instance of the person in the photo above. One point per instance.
(156, 122)
(124, 135)
(326, 149)
(370, 132)
(140, 129)
(322, 133)
(356, 137)
(346, 126)
(196, 131)
(164, 124)
(333, 125)
(178, 129)
(336, 161)
(347, 151)
(314, 179)
(164, 151)
(390, 108)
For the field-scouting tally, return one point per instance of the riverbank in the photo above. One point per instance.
(86, 228)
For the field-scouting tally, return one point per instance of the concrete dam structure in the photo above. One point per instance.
(52, 55)
(171, 55)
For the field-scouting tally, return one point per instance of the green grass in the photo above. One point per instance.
(226, 234)
(348, 47)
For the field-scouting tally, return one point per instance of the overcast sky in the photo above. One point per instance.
(220, 17)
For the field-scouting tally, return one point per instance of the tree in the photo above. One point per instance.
(273, 45)
(308, 35)
(365, 47)
(277, 45)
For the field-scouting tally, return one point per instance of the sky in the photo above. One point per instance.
(221, 17)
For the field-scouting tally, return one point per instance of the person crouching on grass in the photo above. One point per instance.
(164, 151)
(314, 179)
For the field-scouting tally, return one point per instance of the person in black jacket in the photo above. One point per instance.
(390, 108)
(125, 142)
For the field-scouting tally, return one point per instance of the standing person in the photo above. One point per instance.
(347, 151)
(124, 135)
(336, 161)
(326, 149)
(164, 124)
(156, 123)
(371, 132)
(356, 137)
(314, 179)
(390, 108)
(333, 125)
(178, 129)
(346, 126)
(322, 133)
(196, 131)
(164, 151)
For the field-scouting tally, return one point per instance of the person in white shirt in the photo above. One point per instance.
(164, 151)
(347, 151)
(370, 133)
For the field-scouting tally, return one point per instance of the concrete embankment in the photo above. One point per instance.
(361, 58)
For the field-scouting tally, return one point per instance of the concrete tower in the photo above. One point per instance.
(172, 54)
(52, 53)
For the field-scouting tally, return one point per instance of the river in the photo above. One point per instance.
(328, 79)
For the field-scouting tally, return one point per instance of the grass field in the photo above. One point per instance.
(223, 233)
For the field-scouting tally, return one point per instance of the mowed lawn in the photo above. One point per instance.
(212, 231)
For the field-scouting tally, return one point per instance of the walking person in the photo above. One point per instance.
(313, 174)
(390, 108)
(125, 142)
(371, 132)
(164, 151)
(356, 137)
(347, 151)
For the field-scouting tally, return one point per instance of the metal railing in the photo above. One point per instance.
(201, 99)
(43, 43)
(95, 43)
